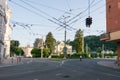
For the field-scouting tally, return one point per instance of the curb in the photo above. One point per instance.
(108, 64)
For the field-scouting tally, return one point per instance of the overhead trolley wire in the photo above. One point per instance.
(80, 12)
(47, 15)
(60, 10)
(32, 11)
(35, 8)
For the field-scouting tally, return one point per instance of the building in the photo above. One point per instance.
(38, 43)
(3, 22)
(7, 35)
(27, 51)
(113, 24)
(59, 48)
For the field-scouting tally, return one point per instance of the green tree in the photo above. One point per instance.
(78, 41)
(50, 41)
(46, 52)
(99, 49)
(94, 43)
(14, 48)
(72, 44)
(36, 52)
(19, 51)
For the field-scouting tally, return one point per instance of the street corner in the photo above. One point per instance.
(110, 64)
(9, 62)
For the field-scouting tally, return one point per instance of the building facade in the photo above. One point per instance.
(113, 24)
(59, 48)
(8, 30)
(27, 51)
(3, 21)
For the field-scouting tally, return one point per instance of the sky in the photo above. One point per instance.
(35, 18)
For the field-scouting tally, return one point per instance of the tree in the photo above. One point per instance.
(46, 52)
(72, 43)
(19, 51)
(99, 49)
(78, 41)
(14, 48)
(36, 52)
(50, 41)
(94, 43)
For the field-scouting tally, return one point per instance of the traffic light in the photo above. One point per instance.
(88, 21)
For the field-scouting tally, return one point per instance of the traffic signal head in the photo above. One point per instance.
(88, 21)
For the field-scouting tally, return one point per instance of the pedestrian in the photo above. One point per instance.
(80, 58)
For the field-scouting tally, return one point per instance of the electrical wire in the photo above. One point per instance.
(73, 22)
(68, 5)
(48, 7)
(47, 15)
(35, 8)
(80, 13)
(32, 11)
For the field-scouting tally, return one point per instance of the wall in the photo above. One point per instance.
(112, 15)
(2, 26)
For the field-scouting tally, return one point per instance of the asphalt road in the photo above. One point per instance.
(87, 69)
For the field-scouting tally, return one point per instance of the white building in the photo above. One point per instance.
(5, 29)
(3, 21)
(27, 51)
(59, 48)
(7, 35)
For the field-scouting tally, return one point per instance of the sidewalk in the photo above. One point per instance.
(14, 61)
(110, 64)
(10, 62)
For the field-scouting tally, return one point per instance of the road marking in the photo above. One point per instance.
(62, 63)
(117, 72)
(111, 75)
(58, 74)
(35, 79)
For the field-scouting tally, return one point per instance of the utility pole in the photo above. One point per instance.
(86, 50)
(42, 47)
(65, 48)
(82, 42)
(103, 51)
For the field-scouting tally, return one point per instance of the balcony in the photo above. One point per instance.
(105, 36)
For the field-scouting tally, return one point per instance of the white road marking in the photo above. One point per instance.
(35, 79)
(58, 74)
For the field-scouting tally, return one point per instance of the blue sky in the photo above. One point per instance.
(39, 11)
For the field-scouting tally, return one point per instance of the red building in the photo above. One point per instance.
(113, 23)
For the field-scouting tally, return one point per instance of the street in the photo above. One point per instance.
(87, 69)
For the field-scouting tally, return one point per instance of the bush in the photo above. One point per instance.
(85, 55)
(94, 55)
(100, 55)
(61, 56)
(76, 55)
(110, 55)
(54, 56)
